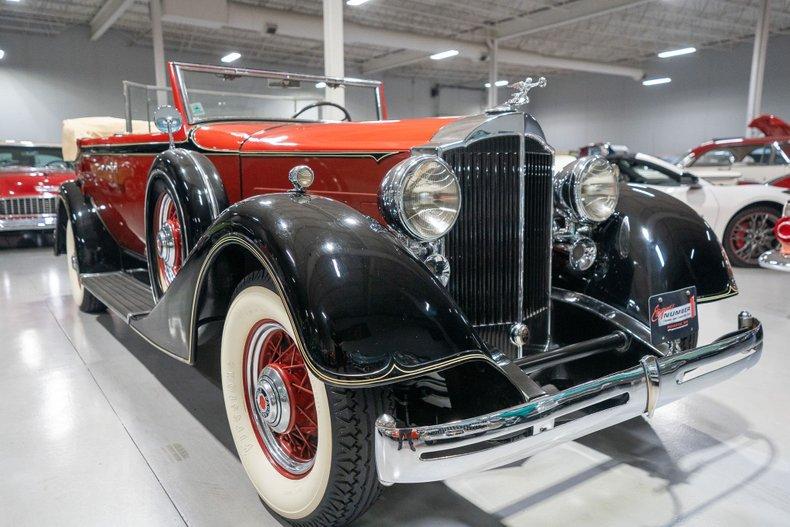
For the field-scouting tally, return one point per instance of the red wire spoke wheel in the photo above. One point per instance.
(280, 400)
(307, 446)
(169, 240)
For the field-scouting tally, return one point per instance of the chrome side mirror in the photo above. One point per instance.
(168, 121)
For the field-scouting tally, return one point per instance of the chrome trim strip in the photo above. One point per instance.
(433, 452)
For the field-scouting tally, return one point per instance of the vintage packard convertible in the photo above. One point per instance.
(389, 301)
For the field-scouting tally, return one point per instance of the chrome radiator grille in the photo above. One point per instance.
(484, 247)
(27, 206)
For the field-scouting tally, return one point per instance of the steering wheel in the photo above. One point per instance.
(347, 116)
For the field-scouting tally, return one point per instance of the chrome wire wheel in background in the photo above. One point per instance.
(749, 234)
(280, 400)
(168, 239)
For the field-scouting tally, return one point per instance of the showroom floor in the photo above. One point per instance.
(98, 428)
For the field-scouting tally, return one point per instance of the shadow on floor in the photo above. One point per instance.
(26, 239)
(633, 442)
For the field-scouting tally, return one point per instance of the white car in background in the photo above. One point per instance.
(744, 159)
(742, 216)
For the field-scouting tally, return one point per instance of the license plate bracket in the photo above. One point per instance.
(673, 315)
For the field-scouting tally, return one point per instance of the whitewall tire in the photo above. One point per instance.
(82, 297)
(307, 475)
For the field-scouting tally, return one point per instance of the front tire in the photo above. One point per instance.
(307, 447)
(82, 297)
(749, 234)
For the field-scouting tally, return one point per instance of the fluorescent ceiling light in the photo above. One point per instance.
(2, 54)
(230, 57)
(445, 54)
(498, 83)
(321, 84)
(676, 52)
(356, 2)
(653, 82)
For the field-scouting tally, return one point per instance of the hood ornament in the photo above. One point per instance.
(520, 97)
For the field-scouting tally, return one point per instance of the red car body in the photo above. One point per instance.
(349, 160)
(28, 194)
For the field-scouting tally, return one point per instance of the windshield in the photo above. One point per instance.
(647, 173)
(31, 156)
(214, 93)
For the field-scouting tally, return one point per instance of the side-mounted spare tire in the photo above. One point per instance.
(183, 197)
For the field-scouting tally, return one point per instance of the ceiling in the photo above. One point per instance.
(624, 37)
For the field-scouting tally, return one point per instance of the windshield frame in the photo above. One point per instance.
(181, 98)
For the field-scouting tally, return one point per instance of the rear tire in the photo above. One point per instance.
(82, 297)
(334, 480)
(749, 234)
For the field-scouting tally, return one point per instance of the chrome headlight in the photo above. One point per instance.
(588, 188)
(421, 197)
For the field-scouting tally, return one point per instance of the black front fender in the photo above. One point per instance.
(365, 309)
(653, 244)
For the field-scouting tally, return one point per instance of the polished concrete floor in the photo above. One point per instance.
(98, 428)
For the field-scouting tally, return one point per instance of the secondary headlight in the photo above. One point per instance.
(588, 188)
(421, 196)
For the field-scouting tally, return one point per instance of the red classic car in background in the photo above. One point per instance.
(30, 176)
(730, 160)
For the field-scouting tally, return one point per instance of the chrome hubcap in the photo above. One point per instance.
(272, 401)
(165, 243)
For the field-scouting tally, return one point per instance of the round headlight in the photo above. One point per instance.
(589, 188)
(421, 196)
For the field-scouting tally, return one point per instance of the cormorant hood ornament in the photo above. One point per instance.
(520, 97)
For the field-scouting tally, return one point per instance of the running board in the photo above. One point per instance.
(123, 294)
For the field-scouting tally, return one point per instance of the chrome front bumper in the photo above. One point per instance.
(438, 452)
(28, 223)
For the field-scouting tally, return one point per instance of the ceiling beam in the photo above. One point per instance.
(254, 18)
(553, 18)
(107, 15)
(393, 60)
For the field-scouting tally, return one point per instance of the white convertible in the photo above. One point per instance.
(742, 216)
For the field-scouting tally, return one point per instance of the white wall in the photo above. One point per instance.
(706, 99)
(44, 80)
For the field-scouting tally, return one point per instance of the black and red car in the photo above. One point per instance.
(390, 301)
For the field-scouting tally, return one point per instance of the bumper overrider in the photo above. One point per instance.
(438, 452)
